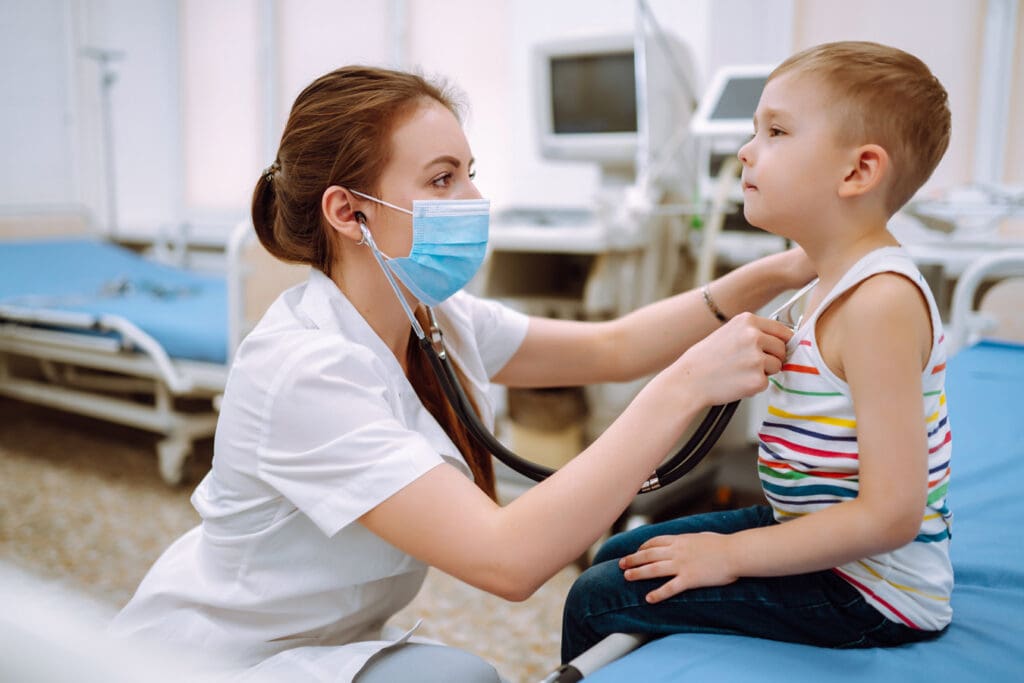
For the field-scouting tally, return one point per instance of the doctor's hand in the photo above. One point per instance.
(795, 269)
(692, 560)
(734, 361)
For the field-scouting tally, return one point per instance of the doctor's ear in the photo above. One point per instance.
(338, 208)
(869, 168)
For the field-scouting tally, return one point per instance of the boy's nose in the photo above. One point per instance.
(744, 154)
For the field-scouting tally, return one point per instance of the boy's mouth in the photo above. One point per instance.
(748, 186)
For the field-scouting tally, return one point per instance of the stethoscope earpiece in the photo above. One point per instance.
(363, 230)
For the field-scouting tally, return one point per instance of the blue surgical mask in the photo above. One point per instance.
(449, 242)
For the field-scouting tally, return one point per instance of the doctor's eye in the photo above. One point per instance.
(442, 181)
(472, 174)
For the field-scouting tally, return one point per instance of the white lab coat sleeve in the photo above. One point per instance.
(331, 440)
(498, 330)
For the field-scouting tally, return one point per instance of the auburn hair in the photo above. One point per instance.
(885, 96)
(339, 133)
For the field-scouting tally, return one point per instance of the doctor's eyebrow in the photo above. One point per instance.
(447, 159)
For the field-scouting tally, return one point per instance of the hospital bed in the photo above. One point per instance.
(94, 328)
(985, 378)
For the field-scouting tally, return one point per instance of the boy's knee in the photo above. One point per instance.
(600, 580)
(590, 606)
(615, 547)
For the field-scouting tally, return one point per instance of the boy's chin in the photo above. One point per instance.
(766, 224)
(758, 222)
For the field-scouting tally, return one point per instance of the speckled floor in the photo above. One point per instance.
(81, 502)
(82, 505)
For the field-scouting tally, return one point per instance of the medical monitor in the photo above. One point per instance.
(593, 94)
(727, 108)
(590, 104)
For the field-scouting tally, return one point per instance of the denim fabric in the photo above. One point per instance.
(818, 608)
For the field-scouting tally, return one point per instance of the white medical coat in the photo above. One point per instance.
(318, 425)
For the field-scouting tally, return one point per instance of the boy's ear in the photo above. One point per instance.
(337, 205)
(869, 168)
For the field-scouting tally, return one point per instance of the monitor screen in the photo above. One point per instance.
(739, 98)
(593, 93)
(726, 110)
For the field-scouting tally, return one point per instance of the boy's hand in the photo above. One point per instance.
(692, 560)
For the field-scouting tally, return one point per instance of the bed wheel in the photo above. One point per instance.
(171, 455)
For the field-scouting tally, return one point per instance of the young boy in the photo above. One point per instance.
(853, 548)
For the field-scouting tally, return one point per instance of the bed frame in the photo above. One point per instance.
(56, 359)
(988, 301)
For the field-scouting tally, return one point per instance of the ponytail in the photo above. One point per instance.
(307, 242)
(264, 212)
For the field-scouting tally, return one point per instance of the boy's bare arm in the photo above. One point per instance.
(884, 331)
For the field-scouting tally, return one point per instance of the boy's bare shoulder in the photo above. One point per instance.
(887, 299)
(882, 313)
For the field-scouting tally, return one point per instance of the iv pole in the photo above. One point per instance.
(108, 76)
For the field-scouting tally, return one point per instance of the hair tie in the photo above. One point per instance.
(269, 171)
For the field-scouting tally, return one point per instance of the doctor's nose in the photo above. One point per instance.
(471, 192)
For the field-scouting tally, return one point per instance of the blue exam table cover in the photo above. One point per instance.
(183, 310)
(984, 642)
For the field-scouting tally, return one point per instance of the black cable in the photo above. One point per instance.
(684, 461)
(467, 415)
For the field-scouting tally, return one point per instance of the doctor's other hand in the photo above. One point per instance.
(795, 269)
(734, 361)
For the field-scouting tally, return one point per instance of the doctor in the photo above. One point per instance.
(340, 473)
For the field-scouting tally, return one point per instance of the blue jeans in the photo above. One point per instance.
(818, 608)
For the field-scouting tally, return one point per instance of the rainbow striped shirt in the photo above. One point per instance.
(807, 460)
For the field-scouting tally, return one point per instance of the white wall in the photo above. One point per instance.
(245, 61)
(205, 87)
(1015, 137)
(50, 111)
(944, 34)
(39, 169)
(222, 100)
(145, 110)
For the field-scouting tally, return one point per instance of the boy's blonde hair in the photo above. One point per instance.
(885, 96)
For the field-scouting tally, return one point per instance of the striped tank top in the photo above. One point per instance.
(807, 459)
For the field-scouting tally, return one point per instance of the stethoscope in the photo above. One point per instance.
(685, 459)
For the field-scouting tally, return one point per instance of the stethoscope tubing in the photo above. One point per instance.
(680, 464)
(685, 459)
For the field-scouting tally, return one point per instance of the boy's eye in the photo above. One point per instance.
(775, 132)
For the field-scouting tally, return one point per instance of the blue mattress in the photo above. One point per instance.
(184, 311)
(983, 643)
